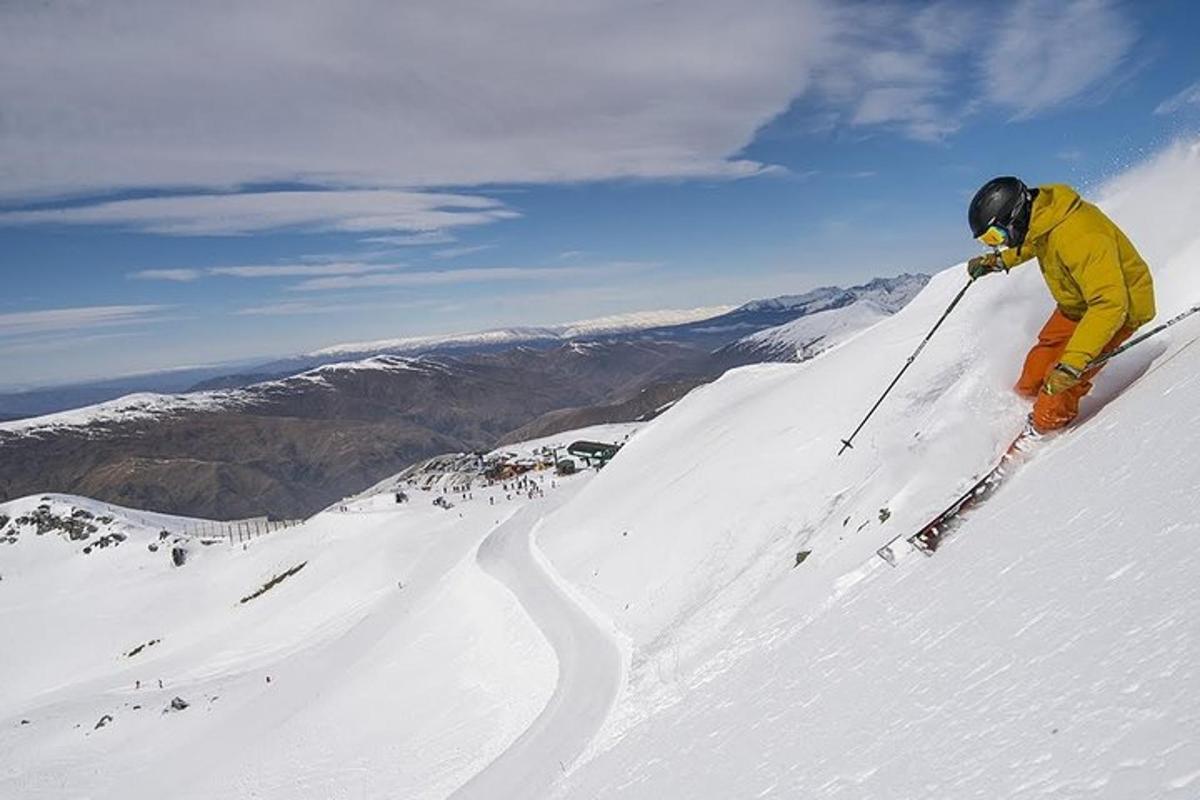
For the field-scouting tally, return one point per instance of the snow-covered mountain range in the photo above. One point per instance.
(808, 336)
(821, 317)
(889, 294)
(704, 617)
(830, 316)
(147, 406)
(710, 328)
(267, 446)
(601, 326)
(288, 447)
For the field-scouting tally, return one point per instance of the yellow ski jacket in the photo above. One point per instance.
(1091, 268)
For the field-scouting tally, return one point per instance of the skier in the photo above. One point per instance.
(1102, 286)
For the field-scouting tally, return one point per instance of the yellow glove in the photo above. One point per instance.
(1060, 379)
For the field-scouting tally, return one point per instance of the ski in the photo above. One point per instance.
(929, 537)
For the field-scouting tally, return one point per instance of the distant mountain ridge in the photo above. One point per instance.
(617, 327)
(889, 294)
(703, 327)
(27, 403)
(832, 315)
(602, 326)
(710, 326)
(298, 441)
(290, 447)
(816, 321)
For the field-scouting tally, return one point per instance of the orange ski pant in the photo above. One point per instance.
(1057, 410)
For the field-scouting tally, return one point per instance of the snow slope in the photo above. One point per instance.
(591, 667)
(647, 632)
(389, 664)
(811, 335)
(1049, 650)
(688, 541)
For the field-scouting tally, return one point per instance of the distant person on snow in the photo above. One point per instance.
(1102, 286)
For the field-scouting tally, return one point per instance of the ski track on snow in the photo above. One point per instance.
(590, 670)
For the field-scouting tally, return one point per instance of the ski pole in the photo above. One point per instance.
(846, 443)
(1103, 359)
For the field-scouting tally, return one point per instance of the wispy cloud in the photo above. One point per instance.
(619, 92)
(421, 239)
(444, 277)
(60, 342)
(897, 66)
(457, 252)
(177, 275)
(306, 308)
(370, 255)
(475, 275)
(60, 319)
(227, 214)
(893, 66)
(298, 308)
(618, 95)
(258, 271)
(1189, 96)
(915, 107)
(301, 270)
(1047, 52)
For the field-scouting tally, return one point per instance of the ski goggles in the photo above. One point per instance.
(995, 235)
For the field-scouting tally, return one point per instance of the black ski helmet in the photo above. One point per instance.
(1005, 202)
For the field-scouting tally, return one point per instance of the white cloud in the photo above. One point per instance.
(1048, 51)
(458, 252)
(892, 65)
(289, 309)
(472, 275)
(356, 210)
(400, 95)
(265, 271)
(422, 239)
(306, 308)
(894, 103)
(177, 275)
(1176, 102)
(300, 270)
(380, 100)
(60, 342)
(947, 26)
(443, 277)
(61, 319)
(925, 71)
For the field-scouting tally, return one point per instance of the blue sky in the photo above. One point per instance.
(193, 183)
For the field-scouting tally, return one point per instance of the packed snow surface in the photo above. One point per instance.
(364, 653)
(705, 617)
